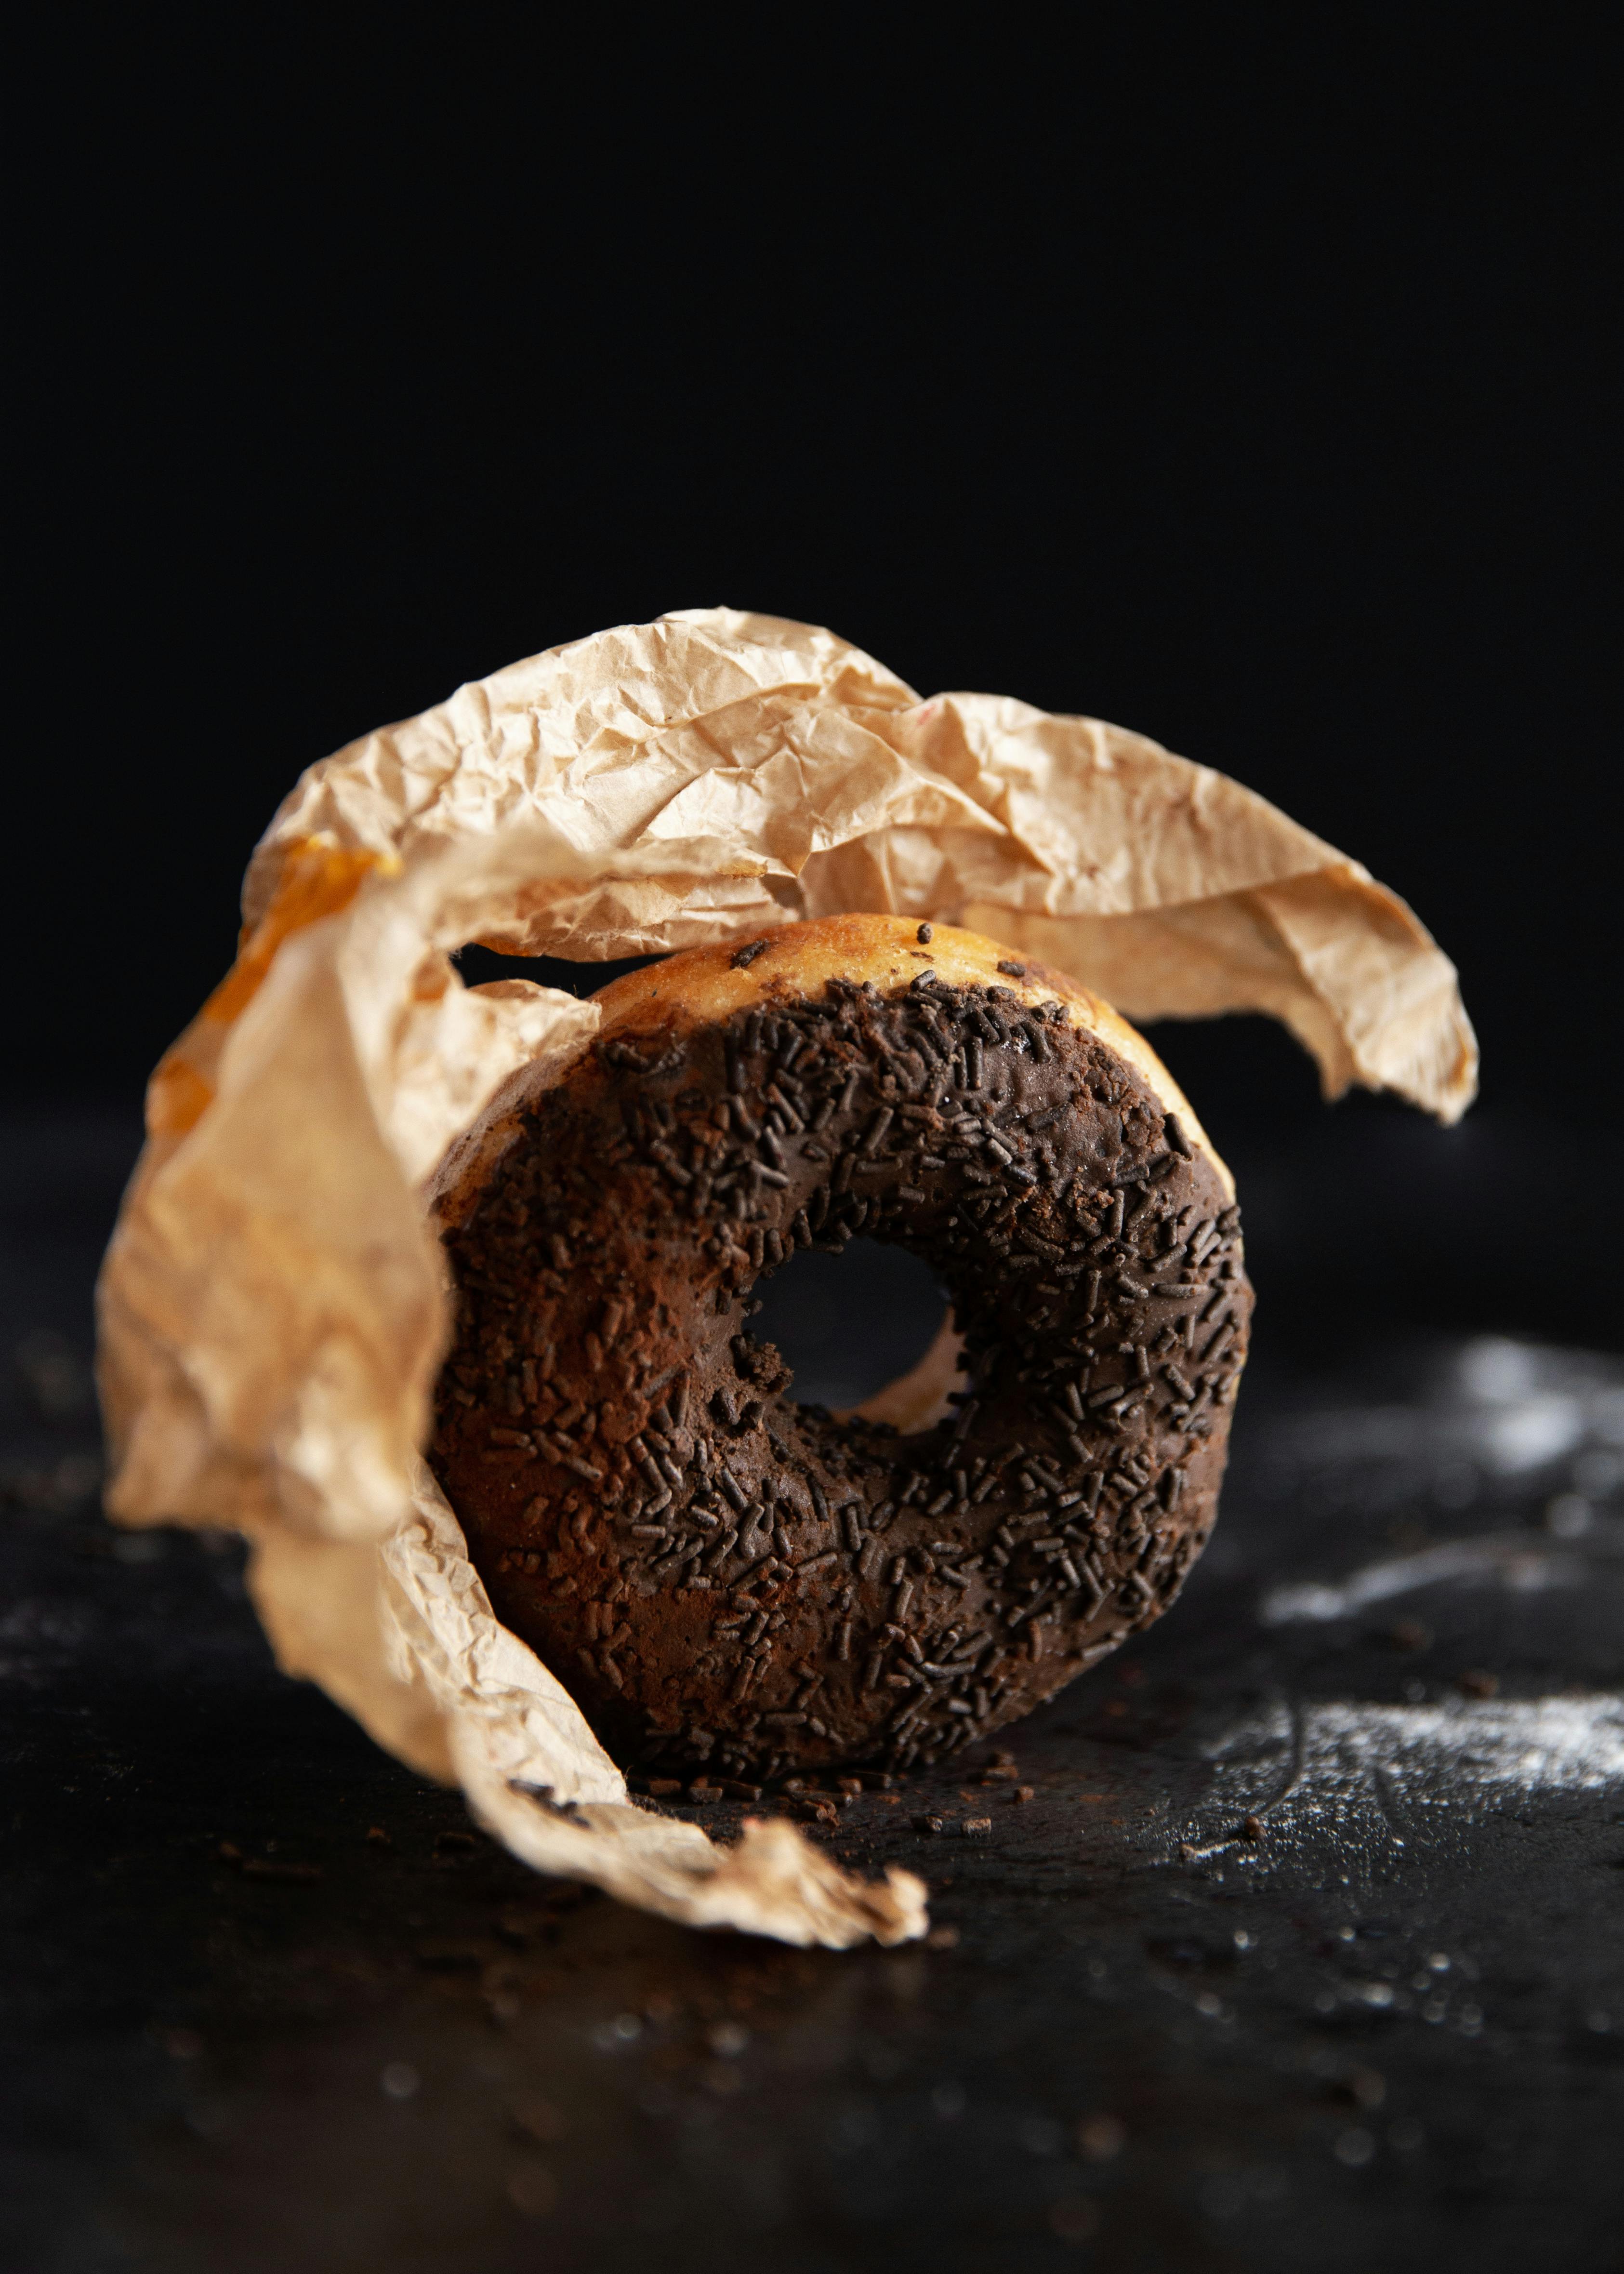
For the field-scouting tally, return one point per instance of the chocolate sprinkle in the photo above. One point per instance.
(698, 1555)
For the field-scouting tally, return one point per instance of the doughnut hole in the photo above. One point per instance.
(848, 1325)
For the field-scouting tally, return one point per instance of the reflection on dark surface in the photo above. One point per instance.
(1306, 1948)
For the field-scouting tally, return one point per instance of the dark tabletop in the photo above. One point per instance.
(1306, 1949)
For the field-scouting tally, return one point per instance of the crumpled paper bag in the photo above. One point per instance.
(274, 1305)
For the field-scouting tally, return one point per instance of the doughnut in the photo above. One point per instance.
(721, 1576)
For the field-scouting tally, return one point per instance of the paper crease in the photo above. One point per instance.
(273, 1306)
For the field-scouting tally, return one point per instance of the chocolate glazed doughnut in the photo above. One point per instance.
(719, 1574)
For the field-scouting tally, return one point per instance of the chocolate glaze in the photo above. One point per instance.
(719, 1574)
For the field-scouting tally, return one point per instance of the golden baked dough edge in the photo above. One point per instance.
(704, 985)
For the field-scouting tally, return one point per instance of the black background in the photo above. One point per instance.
(1249, 377)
